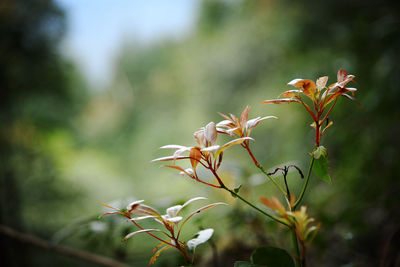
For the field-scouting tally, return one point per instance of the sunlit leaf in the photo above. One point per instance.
(202, 237)
(195, 157)
(308, 86)
(271, 257)
(321, 82)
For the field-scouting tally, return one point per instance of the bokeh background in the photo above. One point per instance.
(91, 89)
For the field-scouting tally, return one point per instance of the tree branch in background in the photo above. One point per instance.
(82, 255)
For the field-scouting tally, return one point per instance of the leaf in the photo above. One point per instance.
(320, 168)
(308, 86)
(271, 257)
(140, 231)
(280, 101)
(168, 158)
(244, 264)
(319, 151)
(321, 82)
(195, 157)
(155, 256)
(245, 116)
(232, 143)
(290, 93)
(237, 189)
(203, 236)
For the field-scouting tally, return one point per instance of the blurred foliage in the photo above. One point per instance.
(64, 150)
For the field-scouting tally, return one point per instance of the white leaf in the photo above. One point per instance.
(203, 236)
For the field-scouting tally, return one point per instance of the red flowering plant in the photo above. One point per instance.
(318, 99)
(172, 223)
(207, 153)
(323, 98)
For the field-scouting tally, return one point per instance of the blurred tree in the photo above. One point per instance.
(37, 96)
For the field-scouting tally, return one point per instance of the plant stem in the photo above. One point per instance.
(254, 207)
(264, 171)
(296, 247)
(303, 190)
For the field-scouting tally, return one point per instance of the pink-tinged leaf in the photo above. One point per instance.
(290, 93)
(254, 122)
(210, 133)
(229, 131)
(155, 256)
(146, 210)
(191, 201)
(168, 158)
(195, 157)
(280, 101)
(245, 116)
(225, 116)
(199, 136)
(139, 232)
(321, 82)
(180, 151)
(353, 99)
(232, 143)
(134, 205)
(341, 75)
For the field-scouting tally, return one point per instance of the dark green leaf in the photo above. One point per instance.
(271, 257)
(320, 168)
(245, 264)
(237, 189)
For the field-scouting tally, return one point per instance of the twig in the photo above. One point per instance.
(83, 255)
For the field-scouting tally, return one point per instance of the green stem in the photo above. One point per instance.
(296, 248)
(273, 180)
(303, 190)
(254, 207)
(246, 146)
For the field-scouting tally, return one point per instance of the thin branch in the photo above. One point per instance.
(83, 255)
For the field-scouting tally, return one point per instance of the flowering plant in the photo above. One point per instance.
(319, 100)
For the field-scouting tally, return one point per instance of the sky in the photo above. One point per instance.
(96, 28)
